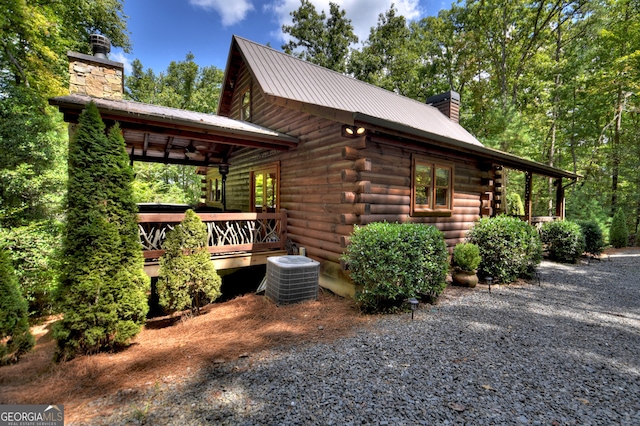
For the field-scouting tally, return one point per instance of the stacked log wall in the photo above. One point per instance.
(313, 178)
(329, 183)
(390, 187)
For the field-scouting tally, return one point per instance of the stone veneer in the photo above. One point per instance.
(96, 77)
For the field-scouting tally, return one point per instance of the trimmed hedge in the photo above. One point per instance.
(391, 262)
(510, 248)
(564, 240)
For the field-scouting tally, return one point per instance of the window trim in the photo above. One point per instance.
(265, 168)
(432, 209)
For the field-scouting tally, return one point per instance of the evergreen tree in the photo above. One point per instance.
(103, 286)
(619, 233)
(15, 337)
(187, 277)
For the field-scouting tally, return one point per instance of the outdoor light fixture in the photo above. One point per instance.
(413, 302)
(190, 149)
(353, 131)
(489, 281)
(223, 169)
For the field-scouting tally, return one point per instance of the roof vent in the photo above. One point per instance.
(100, 45)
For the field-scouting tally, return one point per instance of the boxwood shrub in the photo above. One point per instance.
(510, 248)
(391, 262)
(564, 240)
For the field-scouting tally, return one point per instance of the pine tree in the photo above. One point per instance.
(15, 337)
(103, 286)
(619, 233)
(187, 277)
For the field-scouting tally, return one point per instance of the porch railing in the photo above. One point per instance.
(226, 232)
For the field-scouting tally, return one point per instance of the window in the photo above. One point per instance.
(432, 187)
(264, 189)
(245, 106)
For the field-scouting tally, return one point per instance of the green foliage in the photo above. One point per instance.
(466, 256)
(103, 285)
(391, 262)
(187, 277)
(15, 337)
(593, 238)
(32, 173)
(183, 85)
(564, 240)
(34, 250)
(509, 247)
(324, 42)
(514, 204)
(619, 233)
(387, 59)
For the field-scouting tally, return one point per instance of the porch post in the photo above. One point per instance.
(559, 199)
(527, 196)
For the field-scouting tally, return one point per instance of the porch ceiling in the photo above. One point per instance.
(167, 135)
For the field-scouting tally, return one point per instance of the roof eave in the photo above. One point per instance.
(503, 158)
(77, 103)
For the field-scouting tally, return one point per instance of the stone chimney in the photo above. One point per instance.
(95, 75)
(448, 103)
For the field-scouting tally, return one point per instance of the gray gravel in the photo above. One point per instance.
(564, 352)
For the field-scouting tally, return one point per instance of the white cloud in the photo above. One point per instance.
(362, 13)
(119, 56)
(231, 11)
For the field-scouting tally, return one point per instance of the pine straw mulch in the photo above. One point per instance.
(171, 348)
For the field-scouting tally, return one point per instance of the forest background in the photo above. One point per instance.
(555, 81)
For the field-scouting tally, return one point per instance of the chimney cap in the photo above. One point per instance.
(100, 45)
(451, 95)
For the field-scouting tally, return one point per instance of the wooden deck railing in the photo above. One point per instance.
(227, 232)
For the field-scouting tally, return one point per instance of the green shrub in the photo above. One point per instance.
(103, 286)
(593, 238)
(564, 239)
(34, 250)
(187, 277)
(509, 247)
(515, 206)
(15, 337)
(466, 256)
(391, 262)
(619, 233)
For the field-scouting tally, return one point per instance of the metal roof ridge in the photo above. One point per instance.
(373, 86)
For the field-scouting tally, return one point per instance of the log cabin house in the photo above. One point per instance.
(298, 154)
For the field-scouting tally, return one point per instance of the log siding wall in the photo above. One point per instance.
(329, 182)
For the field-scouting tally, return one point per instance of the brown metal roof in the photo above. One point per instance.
(289, 80)
(161, 134)
(286, 77)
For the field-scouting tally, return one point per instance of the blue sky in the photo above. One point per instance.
(166, 30)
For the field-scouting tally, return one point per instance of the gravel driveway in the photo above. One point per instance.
(565, 352)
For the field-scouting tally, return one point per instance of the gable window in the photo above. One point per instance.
(264, 188)
(431, 187)
(245, 105)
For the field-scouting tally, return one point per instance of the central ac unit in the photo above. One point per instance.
(292, 279)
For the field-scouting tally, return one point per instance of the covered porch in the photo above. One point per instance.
(171, 136)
